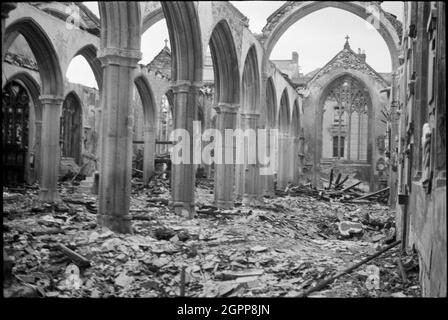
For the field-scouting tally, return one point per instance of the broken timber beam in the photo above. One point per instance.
(350, 187)
(340, 184)
(331, 179)
(326, 282)
(372, 194)
(75, 257)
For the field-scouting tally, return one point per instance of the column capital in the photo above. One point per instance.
(185, 86)
(6, 8)
(223, 107)
(118, 56)
(49, 99)
(250, 115)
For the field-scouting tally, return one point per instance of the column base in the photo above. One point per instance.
(224, 204)
(251, 200)
(47, 195)
(120, 224)
(184, 209)
(269, 193)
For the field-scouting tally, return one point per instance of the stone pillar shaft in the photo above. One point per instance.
(225, 172)
(50, 154)
(184, 174)
(268, 180)
(296, 159)
(116, 138)
(251, 171)
(149, 152)
(284, 162)
(38, 150)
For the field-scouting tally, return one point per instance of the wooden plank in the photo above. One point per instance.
(372, 194)
(326, 282)
(72, 255)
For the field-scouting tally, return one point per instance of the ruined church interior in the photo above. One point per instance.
(100, 100)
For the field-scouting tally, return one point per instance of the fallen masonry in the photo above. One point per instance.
(283, 247)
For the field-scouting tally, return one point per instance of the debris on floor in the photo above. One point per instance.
(282, 247)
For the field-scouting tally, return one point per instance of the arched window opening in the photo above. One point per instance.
(138, 134)
(71, 125)
(165, 127)
(345, 121)
(15, 127)
(79, 71)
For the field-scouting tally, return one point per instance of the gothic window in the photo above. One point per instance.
(348, 127)
(165, 125)
(338, 147)
(71, 126)
(15, 126)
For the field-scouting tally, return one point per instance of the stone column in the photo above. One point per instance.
(296, 159)
(183, 175)
(38, 150)
(116, 138)
(149, 152)
(284, 161)
(268, 180)
(50, 154)
(290, 158)
(225, 172)
(251, 172)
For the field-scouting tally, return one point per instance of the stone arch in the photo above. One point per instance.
(283, 116)
(120, 25)
(148, 101)
(225, 62)
(271, 103)
(19, 112)
(89, 52)
(185, 37)
(152, 18)
(52, 82)
(150, 125)
(34, 91)
(295, 120)
(293, 11)
(33, 88)
(250, 83)
(321, 96)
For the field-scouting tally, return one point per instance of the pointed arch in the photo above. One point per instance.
(185, 38)
(284, 113)
(120, 24)
(52, 81)
(251, 83)
(225, 62)
(71, 127)
(34, 89)
(89, 52)
(295, 120)
(148, 101)
(387, 26)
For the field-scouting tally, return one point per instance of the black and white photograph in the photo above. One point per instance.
(276, 150)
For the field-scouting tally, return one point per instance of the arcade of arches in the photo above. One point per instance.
(379, 130)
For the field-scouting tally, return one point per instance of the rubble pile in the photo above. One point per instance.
(277, 248)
